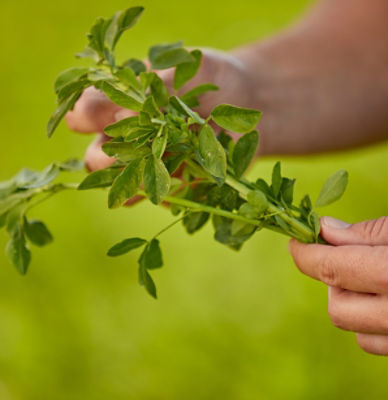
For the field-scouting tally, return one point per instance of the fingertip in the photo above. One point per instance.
(92, 112)
(95, 158)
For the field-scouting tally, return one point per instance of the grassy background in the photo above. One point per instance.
(227, 325)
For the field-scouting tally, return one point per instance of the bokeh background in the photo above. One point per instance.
(227, 325)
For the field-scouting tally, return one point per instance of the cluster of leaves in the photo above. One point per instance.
(167, 152)
(17, 197)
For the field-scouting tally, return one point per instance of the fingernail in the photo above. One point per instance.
(334, 223)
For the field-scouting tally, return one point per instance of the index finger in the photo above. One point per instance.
(356, 268)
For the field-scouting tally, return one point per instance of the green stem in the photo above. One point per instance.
(298, 229)
(192, 205)
(303, 232)
(169, 226)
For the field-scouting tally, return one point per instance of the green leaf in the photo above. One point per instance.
(118, 96)
(287, 190)
(139, 134)
(99, 179)
(126, 246)
(124, 151)
(241, 228)
(129, 78)
(179, 105)
(88, 52)
(190, 97)
(156, 179)
(151, 258)
(17, 250)
(136, 65)
(13, 200)
(146, 79)
(333, 188)
(174, 162)
(315, 224)
(71, 165)
(262, 185)
(37, 232)
(235, 119)
(244, 151)
(186, 71)
(151, 108)
(223, 232)
(73, 87)
(126, 184)
(59, 113)
(194, 221)
(211, 154)
(165, 56)
(276, 179)
(44, 177)
(159, 144)
(159, 91)
(7, 188)
(146, 281)
(258, 201)
(122, 127)
(96, 35)
(122, 21)
(68, 76)
(248, 211)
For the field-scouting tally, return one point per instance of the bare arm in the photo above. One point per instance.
(323, 83)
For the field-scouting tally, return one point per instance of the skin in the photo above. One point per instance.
(322, 86)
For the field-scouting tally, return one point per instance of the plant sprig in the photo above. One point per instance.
(167, 153)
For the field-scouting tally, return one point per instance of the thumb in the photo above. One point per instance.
(372, 233)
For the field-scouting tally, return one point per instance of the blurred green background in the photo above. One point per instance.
(227, 325)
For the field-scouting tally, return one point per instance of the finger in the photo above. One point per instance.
(338, 233)
(373, 344)
(92, 112)
(95, 158)
(358, 312)
(357, 268)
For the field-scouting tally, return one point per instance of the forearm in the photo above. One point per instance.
(323, 83)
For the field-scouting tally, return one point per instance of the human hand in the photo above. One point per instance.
(93, 111)
(355, 267)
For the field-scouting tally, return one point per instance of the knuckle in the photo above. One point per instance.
(376, 228)
(328, 273)
(335, 315)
